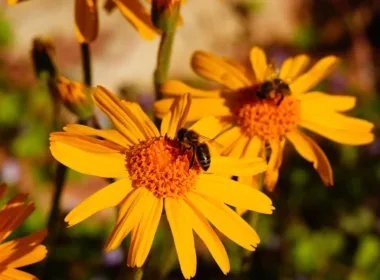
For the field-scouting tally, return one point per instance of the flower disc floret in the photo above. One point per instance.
(161, 165)
(268, 119)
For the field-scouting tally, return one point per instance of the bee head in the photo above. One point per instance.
(265, 89)
(181, 134)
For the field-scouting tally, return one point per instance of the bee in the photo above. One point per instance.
(273, 89)
(200, 151)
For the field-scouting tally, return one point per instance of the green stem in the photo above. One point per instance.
(86, 63)
(169, 262)
(137, 273)
(163, 64)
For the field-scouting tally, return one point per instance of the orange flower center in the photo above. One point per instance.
(161, 165)
(269, 118)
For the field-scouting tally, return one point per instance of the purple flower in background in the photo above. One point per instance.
(114, 257)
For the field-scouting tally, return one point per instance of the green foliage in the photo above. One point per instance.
(33, 142)
(305, 36)
(312, 252)
(10, 107)
(368, 253)
(5, 32)
(359, 222)
(349, 155)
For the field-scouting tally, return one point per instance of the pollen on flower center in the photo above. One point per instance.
(162, 166)
(267, 118)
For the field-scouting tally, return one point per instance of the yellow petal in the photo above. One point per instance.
(209, 127)
(174, 88)
(342, 136)
(175, 119)
(182, 235)
(150, 232)
(249, 75)
(15, 274)
(132, 207)
(314, 101)
(201, 107)
(139, 116)
(234, 193)
(335, 120)
(114, 194)
(202, 227)
(86, 143)
(219, 70)
(303, 147)
(13, 214)
(253, 148)
(323, 167)
(293, 67)
(316, 74)
(104, 163)
(225, 220)
(236, 149)
(146, 231)
(26, 256)
(13, 2)
(236, 166)
(121, 116)
(310, 151)
(24, 250)
(108, 134)
(253, 182)
(86, 20)
(139, 17)
(275, 160)
(228, 138)
(259, 63)
(138, 230)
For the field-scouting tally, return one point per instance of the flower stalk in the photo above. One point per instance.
(86, 63)
(165, 18)
(163, 61)
(43, 56)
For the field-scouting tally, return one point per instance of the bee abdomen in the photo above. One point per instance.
(203, 156)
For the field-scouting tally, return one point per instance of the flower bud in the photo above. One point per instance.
(43, 57)
(165, 14)
(76, 97)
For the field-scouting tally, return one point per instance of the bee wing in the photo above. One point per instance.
(210, 141)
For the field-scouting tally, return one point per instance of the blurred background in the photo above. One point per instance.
(315, 233)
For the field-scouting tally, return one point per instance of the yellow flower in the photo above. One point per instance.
(23, 251)
(251, 122)
(86, 19)
(156, 175)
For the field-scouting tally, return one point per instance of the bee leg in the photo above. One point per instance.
(192, 159)
(280, 100)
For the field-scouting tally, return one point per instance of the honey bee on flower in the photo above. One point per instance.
(259, 108)
(158, 173)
